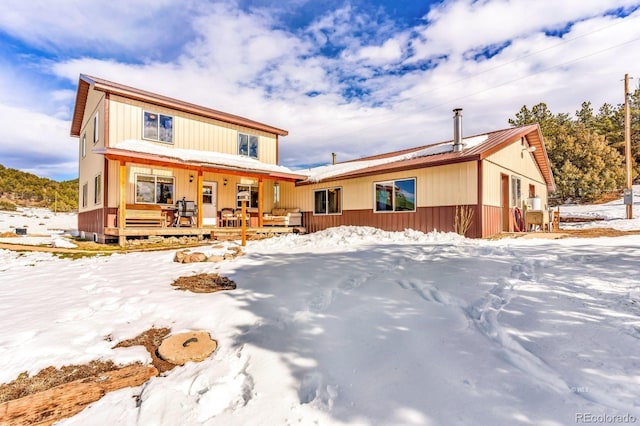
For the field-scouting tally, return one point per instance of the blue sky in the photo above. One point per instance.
(352, 77)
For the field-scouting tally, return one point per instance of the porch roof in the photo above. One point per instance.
(153, 153)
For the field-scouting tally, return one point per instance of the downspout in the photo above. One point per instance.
(480, 206)
(105, 173)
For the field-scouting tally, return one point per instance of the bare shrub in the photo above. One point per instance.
(463, 219)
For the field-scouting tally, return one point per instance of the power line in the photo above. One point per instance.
(519, 58)
(392, 116)
(541, 71)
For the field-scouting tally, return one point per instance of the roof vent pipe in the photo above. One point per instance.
(334, 156)
(457, 130)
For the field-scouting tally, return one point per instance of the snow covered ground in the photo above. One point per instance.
(612, 214)
(349, 326)
(42, 226)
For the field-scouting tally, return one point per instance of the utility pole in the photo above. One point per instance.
(627, 145)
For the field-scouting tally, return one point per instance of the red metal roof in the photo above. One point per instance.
(495, 141)
(85, 82)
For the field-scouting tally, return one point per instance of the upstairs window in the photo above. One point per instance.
(157, 127)
(248, 145)
(96, 129)
(84, 145)
(327, 201)
(395, 196)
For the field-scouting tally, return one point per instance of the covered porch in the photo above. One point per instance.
(165, 195)
(211, 232)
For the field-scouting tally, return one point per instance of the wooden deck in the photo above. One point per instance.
(212, 232)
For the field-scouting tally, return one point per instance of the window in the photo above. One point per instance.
(158, 127)
(395, 196)
(516, 192)
(327, 201)
(95, 129)
(152, 189)
(276, 193)
(84, 145)
(85, 194)
(248, 145)
(97, 189)
(207, 194)
(253, 190)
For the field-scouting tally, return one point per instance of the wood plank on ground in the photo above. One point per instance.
(51, 405)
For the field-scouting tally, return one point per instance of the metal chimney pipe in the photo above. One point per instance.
(335, 156)
(457, 130)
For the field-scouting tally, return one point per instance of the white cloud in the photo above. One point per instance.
(36, 142)
(456, 26)
(99, 26)
(245, 63)
(389, 52)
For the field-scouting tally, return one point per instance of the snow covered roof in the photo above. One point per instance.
(218, 160)
(475, 148)
(320, 173)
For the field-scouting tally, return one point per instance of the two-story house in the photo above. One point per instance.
(140, 153)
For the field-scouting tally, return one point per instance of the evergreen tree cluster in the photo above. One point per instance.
(586, 151)
(26, 189)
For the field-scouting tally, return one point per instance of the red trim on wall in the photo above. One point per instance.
(491, 220)
(425, 219)
(92, 221)
(479, 217)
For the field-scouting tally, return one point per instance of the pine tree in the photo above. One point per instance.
(583, 164)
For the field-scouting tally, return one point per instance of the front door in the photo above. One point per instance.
(209, 203)
(504, 203)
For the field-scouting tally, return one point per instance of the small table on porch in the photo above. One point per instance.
(537, 218)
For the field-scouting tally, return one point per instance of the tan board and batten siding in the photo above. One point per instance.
(226, 194)
(92, 164)
(433, 187)
(511, 161)
(190, 131)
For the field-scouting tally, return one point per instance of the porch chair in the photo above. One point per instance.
(238, 213)
(227, 216)
(186, 210)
